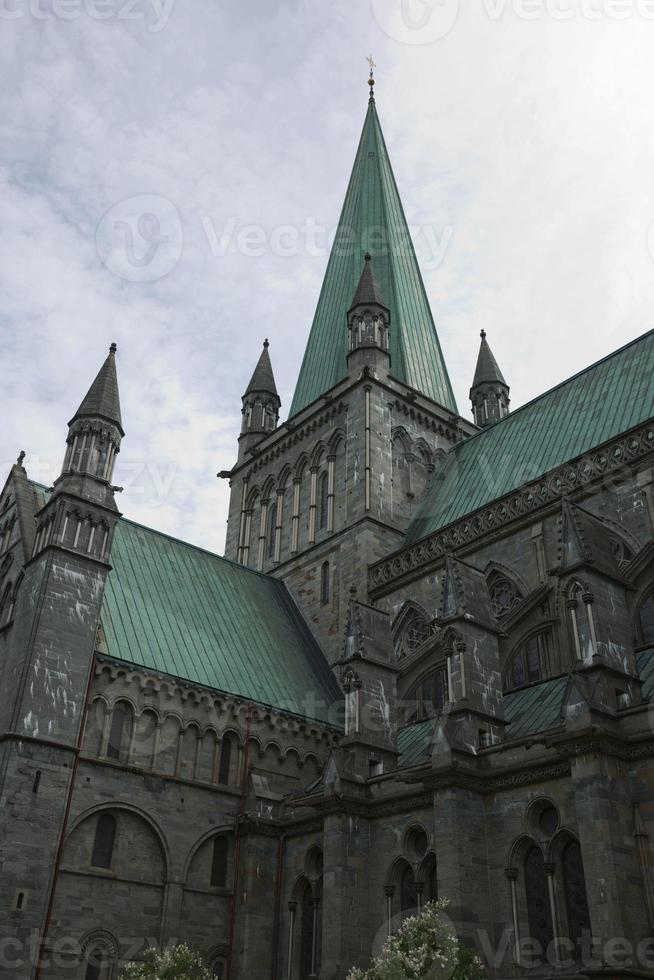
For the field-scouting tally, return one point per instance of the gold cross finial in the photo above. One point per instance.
(371, 80)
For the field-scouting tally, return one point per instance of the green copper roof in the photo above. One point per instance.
(372, 220)
(594, 406)
(533, 709)
(174, 608)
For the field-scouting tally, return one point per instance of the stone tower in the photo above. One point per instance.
(490, 392)
(46, 650)
(320, 497)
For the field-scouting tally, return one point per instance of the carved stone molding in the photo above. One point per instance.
(574, 475)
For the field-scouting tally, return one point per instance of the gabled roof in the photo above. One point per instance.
(102, 399)
(606, 399)
(487, 370)
(371, 212)
(172, 608)
(263, 379)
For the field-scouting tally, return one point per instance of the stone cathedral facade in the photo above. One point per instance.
(423, 667)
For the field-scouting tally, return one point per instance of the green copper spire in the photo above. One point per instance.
(372, 220)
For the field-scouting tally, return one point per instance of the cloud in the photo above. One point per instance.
(526, 143)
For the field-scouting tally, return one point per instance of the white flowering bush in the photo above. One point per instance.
(176, 963)
(424, 948)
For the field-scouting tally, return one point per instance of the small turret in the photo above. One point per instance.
(490, 392)
(81, 512)
(95, 433)
(261, 405)
(368, 324)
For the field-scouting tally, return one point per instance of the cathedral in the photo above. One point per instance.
(422, 669)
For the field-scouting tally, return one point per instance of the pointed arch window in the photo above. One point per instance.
(272, 531)
(324, 583)
(103, 844)
(532, 663)
(219, 862)
(324, 501)
(428, 697)
(538, 902)
(574, 887)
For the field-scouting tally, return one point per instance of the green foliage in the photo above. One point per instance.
(424, 948)
(176, 963)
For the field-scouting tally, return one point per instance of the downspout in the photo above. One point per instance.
(237, 855)
(278, 898)
(64, 825)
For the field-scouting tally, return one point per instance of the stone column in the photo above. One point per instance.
(345, 917)
(602, 814)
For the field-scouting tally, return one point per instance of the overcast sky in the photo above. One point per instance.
(521, 135)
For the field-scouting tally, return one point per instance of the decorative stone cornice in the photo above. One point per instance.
(572, 476)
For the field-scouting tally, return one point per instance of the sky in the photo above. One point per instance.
(172, 169)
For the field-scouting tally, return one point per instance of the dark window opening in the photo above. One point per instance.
(224, 769)
(324, 500)
(574, 888)
(324, 583)
(103, 846)
(37, 781)
(532, 663)
(272, 531)
(219, 862)
(646, 617)
(538, 903)
(117, 731)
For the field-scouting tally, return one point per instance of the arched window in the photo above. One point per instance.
(272, 531)
(574, 888)
(103, 845)
(646, 620)
(538, 902)
(532, 663)
(98, 964)
(324, 583)
(504, 595)
(429, 879)
(219, 862)
(408, 892)
(310, 933)
(428, 697)
(119, 732)
(324, 500)
(218, 968)
(226, 752)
